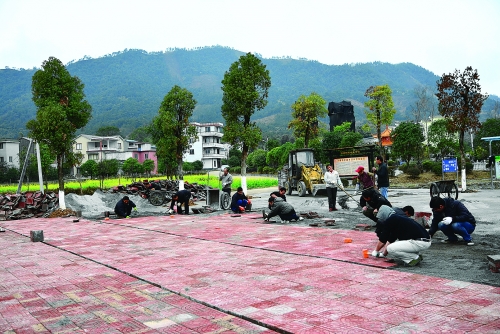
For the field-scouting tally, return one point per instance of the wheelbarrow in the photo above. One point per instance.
(446, 188)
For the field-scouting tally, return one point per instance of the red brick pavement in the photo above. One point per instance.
(188, 274)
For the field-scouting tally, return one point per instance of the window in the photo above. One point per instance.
(119, 146)
(93, 156)
(136, 156)
(207, 151)
(146, 156)
(1, 159)
(207, 129)
(1, 146)
(97, 144)
(78, 146)
(10, 159)
(191, 151)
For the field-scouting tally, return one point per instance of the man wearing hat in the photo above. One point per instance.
(364, 179)
(124, 207)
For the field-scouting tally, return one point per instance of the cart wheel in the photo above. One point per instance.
(434, 190)
(156, 198)
(225, 201)
(301, 188)
(288, 188)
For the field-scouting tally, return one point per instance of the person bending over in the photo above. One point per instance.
(180, 197)
(124, 207)
(371, 200)
(280, 208)
(405, 237)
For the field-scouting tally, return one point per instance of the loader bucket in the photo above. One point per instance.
(319, 190)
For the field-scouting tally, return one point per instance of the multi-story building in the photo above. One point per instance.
(208, 147)
(100, 148)
(9, 152)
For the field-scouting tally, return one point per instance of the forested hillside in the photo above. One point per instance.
(126, 88)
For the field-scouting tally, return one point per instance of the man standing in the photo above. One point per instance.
(181, 197)
(406, 237)
(227, 180)
(124, 207)
(383, 176)
(452, 218)
(332, 179)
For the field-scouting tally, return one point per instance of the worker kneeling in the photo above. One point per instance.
(405, 236)
(239, 202)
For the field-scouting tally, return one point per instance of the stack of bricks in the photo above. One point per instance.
(494, 263)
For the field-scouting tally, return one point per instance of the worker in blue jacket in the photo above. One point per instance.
(124, 207)
(452, 217)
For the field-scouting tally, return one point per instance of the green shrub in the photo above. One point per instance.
(413, 171)
(427, 165)
(437, 168)
(236, 170)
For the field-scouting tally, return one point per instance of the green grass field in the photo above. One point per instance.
(89, 186)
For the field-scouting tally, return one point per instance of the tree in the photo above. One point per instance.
(441, 141)
(107, 168)
(407, 140)
(148, 166)
(424, 107)
(489, 128)
(132, 166)
(89, 169)
(61, 111)
(244, 91)
(460, 102)
(106, 131)
(272, 143)
(187, 166)
(197, 165)
(278, 156)
(381, 109)
(305, 116)
(257, 159)
(141, 134)
(171, 130)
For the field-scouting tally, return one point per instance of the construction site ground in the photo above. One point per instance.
(225, 273)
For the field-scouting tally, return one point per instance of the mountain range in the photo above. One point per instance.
(126, 88)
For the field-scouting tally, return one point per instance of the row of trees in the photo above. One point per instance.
(62, 110)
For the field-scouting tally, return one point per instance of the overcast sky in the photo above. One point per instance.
(439, 35)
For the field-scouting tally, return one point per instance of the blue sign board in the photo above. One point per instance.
(450, 165)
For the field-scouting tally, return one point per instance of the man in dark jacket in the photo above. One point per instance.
(240, 202)
(405, 237)
(281, 194)
(452, 218)
(371, 200)
(382, 176)
(282, 209)
(124, 207)
(181, 197)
